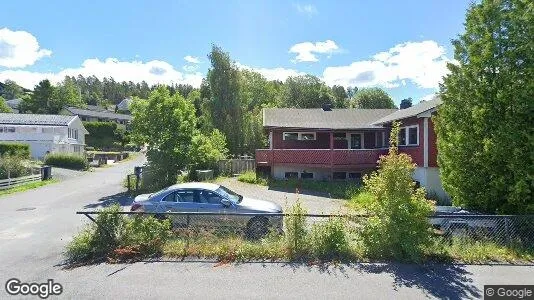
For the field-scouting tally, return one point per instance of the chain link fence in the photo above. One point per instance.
(194, 226)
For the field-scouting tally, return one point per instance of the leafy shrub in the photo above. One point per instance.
(104, 135)
(252, 178)
(399, 226)
(12, 166)
(15, 149)
(329, 239)
(296, 231)
(67, 160)
(117, 236)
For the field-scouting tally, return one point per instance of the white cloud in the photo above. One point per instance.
(422, 63)
(19, 49)
(307, 9)
(273, 73)
(306, 51)
(192, 59)
(152, 72)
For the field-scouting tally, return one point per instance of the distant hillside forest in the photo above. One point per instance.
(229, 99)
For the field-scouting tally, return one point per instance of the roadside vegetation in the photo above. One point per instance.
(26, 187)
(67, 161)
(396, 228)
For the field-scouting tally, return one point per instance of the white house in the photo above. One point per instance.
(44, 133)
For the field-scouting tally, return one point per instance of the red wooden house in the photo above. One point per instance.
(344, 144)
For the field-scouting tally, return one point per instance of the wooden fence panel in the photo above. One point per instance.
(236, 166)
(11, 182)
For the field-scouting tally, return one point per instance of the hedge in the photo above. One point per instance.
(15, 149)
(103, 135)
(67, 161)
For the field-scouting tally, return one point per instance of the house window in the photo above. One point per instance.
(291, 175)
(306, 175)
(339, 175)
(76, 134)
(402, 136)
(7, 129)
(380, 139)
(355, 175)
(300, 136)
(409, 136)
(307, 136)
(340, 136)
(356, 141)
(413, 136)
(291, 136)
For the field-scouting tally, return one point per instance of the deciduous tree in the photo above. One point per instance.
(372, 98)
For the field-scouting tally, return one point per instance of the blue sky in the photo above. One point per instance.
(402, 46)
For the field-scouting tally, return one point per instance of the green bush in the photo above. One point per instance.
(329, 239)
(296, 231)
(14, 166)
(252, 178)
(105, 135)
(15, 149)
(66, 160)
(117, 236)
(399, 224)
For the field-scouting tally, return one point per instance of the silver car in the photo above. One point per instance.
(211, 198)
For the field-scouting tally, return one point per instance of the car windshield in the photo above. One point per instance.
(229, 194)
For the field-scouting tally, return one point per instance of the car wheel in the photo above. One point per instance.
(257, 228)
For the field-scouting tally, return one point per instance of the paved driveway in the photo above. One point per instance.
(36, 225)
(315, 203)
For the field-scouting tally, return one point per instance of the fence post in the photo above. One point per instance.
(137, 182)
(128, 180)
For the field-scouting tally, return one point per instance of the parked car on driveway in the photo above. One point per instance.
(211, 198)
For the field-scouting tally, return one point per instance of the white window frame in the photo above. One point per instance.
(299, 135)
(407, 135)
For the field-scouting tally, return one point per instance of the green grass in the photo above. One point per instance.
(335, 189)
(27, 186)
(252, 178)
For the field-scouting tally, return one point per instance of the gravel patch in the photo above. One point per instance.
(315, 203)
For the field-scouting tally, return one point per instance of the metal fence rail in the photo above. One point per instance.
(503, 229)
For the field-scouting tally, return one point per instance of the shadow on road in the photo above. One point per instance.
(123, 199)
(444, 281)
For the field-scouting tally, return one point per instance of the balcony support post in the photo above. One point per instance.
(331, 153)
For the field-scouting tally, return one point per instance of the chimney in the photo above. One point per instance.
(327, 107)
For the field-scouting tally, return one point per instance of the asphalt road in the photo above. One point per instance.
(36, 225)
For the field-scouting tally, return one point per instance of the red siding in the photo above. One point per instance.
(320, 158)
(416, 152)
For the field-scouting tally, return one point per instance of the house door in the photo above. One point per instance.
(356, 141)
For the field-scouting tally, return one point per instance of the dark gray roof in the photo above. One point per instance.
(34, 119)
(98, 114)
(320, 119)
(413, 111)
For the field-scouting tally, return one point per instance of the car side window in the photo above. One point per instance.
(170, 198)
(185, 196)
(209, 197)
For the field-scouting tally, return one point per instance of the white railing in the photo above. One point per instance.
(12, 182)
